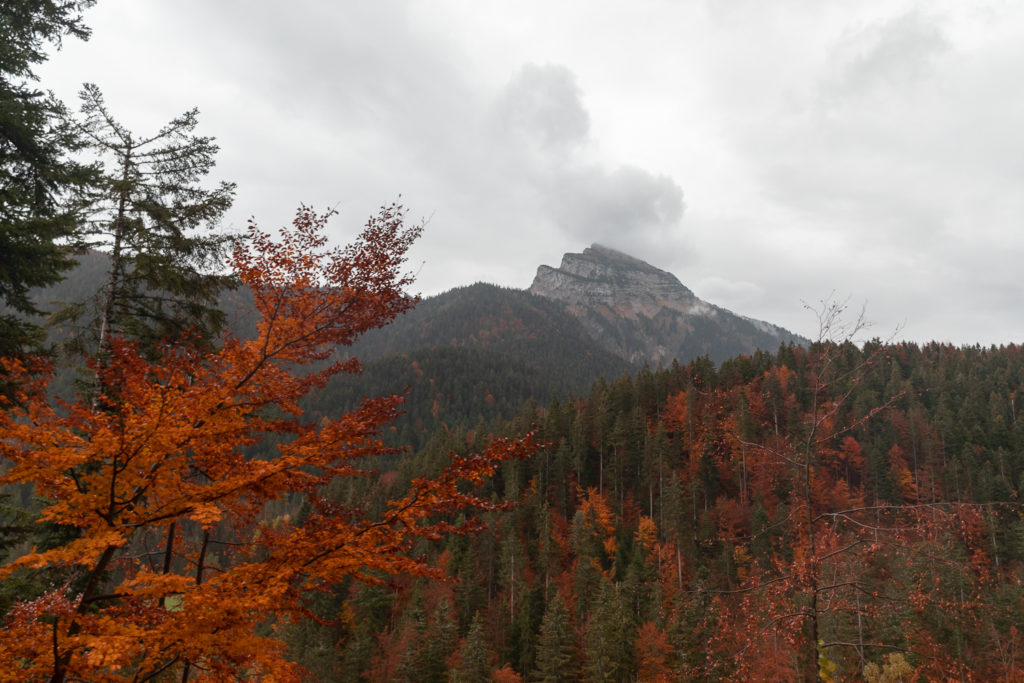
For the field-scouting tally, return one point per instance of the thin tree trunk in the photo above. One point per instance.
(61, 660)
(168, 556)
(812, 673)
(186, 670)
(110, 296)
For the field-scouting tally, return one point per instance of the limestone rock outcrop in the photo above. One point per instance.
(645, 314)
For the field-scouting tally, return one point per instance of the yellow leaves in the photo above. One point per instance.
(895, 668)
(742, 558)
(647, 534)
(826, 667)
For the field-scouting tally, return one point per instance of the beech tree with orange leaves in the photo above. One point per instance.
(172, 575)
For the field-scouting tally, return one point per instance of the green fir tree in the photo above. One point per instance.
(157, 222)
(474, 656)
(38, 178)
(556, 649)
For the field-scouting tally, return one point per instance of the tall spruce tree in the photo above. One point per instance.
(157, 222)
(556, 648)
(37, 178)
(473, 666)
(609, 638)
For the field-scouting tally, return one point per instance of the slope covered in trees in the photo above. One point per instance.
(835, 513)
(472, 354)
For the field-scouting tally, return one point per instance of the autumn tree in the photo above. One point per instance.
(793, 618)
(172, 574)
(653, 650)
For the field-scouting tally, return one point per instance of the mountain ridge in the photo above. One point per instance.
(645, 314)
(481, 351)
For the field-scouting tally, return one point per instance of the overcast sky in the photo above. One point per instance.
(766, 153)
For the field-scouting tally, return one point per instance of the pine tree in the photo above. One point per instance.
(609, 638)
(474, 654)
(556, 649)
(37, 182)
(157, 222)
(36, 176)
(437, 644)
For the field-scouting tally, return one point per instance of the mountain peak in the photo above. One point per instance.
(645, 314)
(605, 253)
(604, 275)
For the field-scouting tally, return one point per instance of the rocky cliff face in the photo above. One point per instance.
(644, 314)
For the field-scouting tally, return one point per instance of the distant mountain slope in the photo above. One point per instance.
(645, 315)
(501, 319)
(474, 353)
(481, 352)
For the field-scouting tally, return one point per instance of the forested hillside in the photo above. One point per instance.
(843, 512)
(472, 354)
(833, 512)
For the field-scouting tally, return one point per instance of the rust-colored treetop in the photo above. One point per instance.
(171, 573)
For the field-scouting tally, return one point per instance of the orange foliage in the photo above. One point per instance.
(156, 482)
(596, 510)
(647, 535)
(901, 472)
(652, 650)
(507, 674)
(732, 518)
(674, 415)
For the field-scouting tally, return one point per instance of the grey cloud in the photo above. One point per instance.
(624, 206)
(543, 105)
(894, 53)
(617, 207)
(350, 106)
(865, 153)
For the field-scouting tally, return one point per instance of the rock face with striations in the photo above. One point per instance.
(644, 314)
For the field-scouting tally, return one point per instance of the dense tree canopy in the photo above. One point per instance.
(173, 569)
(826, 513)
